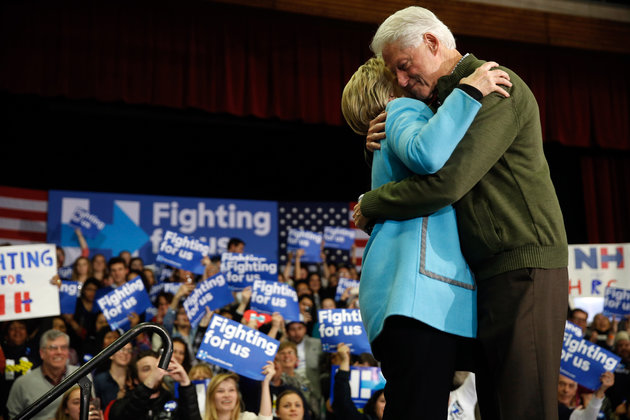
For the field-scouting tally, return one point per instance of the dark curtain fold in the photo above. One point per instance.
(245, 62)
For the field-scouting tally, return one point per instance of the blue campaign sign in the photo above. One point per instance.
(68, 293)
(573, 329)
(363, 382)
(163, 287)
(617, 301)
(584, 362)
(338, 238)
(89, 224)
(310, 242)
(118, 304)
(345, 284)
(342, 326)
(242, 270)
(236, 347)
(273, 296)
(137, 223)
(213, 293)
(182, 251)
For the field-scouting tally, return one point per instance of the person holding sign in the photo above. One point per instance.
(342, 405)
(567, 392)
(223, 401)
(417, 294)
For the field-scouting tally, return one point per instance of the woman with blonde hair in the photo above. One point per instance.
(70, 406)
(223, 399)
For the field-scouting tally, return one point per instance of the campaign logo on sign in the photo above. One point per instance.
(213, 293)
(345, 284)
(182, 251)
(338, 238)
(236, 347)
(69, 291)
(617, 301)
(25, 287)
(242, 270)
(167, 287)
(118, 304)
(310, 242)
(363, 382)
(90, 224)
(584, 362)
(273, 296)
(342, 326)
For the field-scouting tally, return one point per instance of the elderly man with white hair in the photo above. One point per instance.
(53, 350)
(510, 226)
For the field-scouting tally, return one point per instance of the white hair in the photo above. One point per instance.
(408, 26)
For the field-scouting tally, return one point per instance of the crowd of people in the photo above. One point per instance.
(37, 354)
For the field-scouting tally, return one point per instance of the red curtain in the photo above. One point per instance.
(253, 62)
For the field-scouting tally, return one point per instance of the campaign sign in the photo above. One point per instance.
(617, 301)
(310, 242)
(69, 291)
(167, 287)
(584, 362)
(343, 285)
(363, 382)
(89, 224)
(122, 301)
(242, 270)
(25, 287)
(342, 326)
(338, 238)
(182, 251)
(236, 347)
(213, 293)
(573, 329)
(273, 296)
(137, 223)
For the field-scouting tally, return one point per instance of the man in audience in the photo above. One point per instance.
(618, 393)
(589, 408)
(580, 318)
(150, 397)
(53, 349)
(118, 270)
(310, 355)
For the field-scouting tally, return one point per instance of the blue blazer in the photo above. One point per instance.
(415, 267)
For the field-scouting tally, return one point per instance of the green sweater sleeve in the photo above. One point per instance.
(489, 136)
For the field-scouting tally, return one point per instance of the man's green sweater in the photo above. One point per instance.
(498, 181)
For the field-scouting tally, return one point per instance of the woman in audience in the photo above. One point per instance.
(181, 353)
(223, 401)
(290, 406)
(99, 267)
(81, 269)
(70, 406)
(117, 380)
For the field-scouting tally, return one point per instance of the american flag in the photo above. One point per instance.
(23, 215)
(315, 216)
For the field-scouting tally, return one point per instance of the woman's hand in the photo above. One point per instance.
(487, 79)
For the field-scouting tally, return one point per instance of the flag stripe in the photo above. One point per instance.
(23, 225)
(15, 235)
(39, 195)
(23, 204)
(23, 214)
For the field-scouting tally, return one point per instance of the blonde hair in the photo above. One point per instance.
(61, 414)
(202, 368)
(211, 410)
(366, 94)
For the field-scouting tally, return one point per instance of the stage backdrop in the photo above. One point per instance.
(138, 223)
